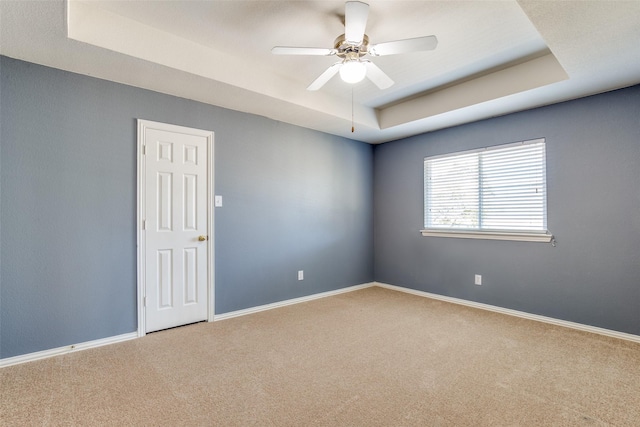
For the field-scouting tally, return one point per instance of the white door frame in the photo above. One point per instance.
(141, 214)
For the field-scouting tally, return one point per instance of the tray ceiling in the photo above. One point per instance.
(493, 58)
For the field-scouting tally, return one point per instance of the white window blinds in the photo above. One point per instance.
(501, 188)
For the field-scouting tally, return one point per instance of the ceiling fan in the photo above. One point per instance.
(353, 45)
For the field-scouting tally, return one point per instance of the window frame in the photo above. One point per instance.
(492, 234)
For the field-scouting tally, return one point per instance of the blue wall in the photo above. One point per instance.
(294, 199)
(593, 180)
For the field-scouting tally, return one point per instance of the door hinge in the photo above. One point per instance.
(144, 301)
(144, 224)
(144, 150)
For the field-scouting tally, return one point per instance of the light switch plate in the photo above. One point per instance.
(217, 201)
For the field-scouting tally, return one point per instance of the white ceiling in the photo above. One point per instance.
(493, 57)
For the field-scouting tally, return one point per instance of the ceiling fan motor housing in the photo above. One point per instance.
(349, 51)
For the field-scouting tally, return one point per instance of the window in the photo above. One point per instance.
(496, 193)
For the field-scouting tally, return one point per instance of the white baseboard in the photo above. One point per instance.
(30, 357)
(516, 313)
(125, 337)
(278, 304)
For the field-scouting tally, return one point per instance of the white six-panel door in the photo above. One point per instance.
(175, 225)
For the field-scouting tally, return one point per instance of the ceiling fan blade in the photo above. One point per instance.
(325, 77)
(377, 76)
(404, 46)
(285, 50)
(355, 21)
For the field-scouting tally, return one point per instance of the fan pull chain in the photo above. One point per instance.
(352, 126)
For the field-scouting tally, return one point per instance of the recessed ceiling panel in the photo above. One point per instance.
(219, 52)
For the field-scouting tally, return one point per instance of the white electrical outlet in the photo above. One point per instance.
(478, 279)
(300, 274)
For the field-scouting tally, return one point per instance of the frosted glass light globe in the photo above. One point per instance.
(353, 71)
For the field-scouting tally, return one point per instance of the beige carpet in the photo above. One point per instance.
(374, 357)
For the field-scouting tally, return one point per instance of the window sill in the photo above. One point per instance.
(490, 235)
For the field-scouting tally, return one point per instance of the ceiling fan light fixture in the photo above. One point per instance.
(353, 45)
(353, 71)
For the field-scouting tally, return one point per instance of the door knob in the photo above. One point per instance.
(202, 238)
